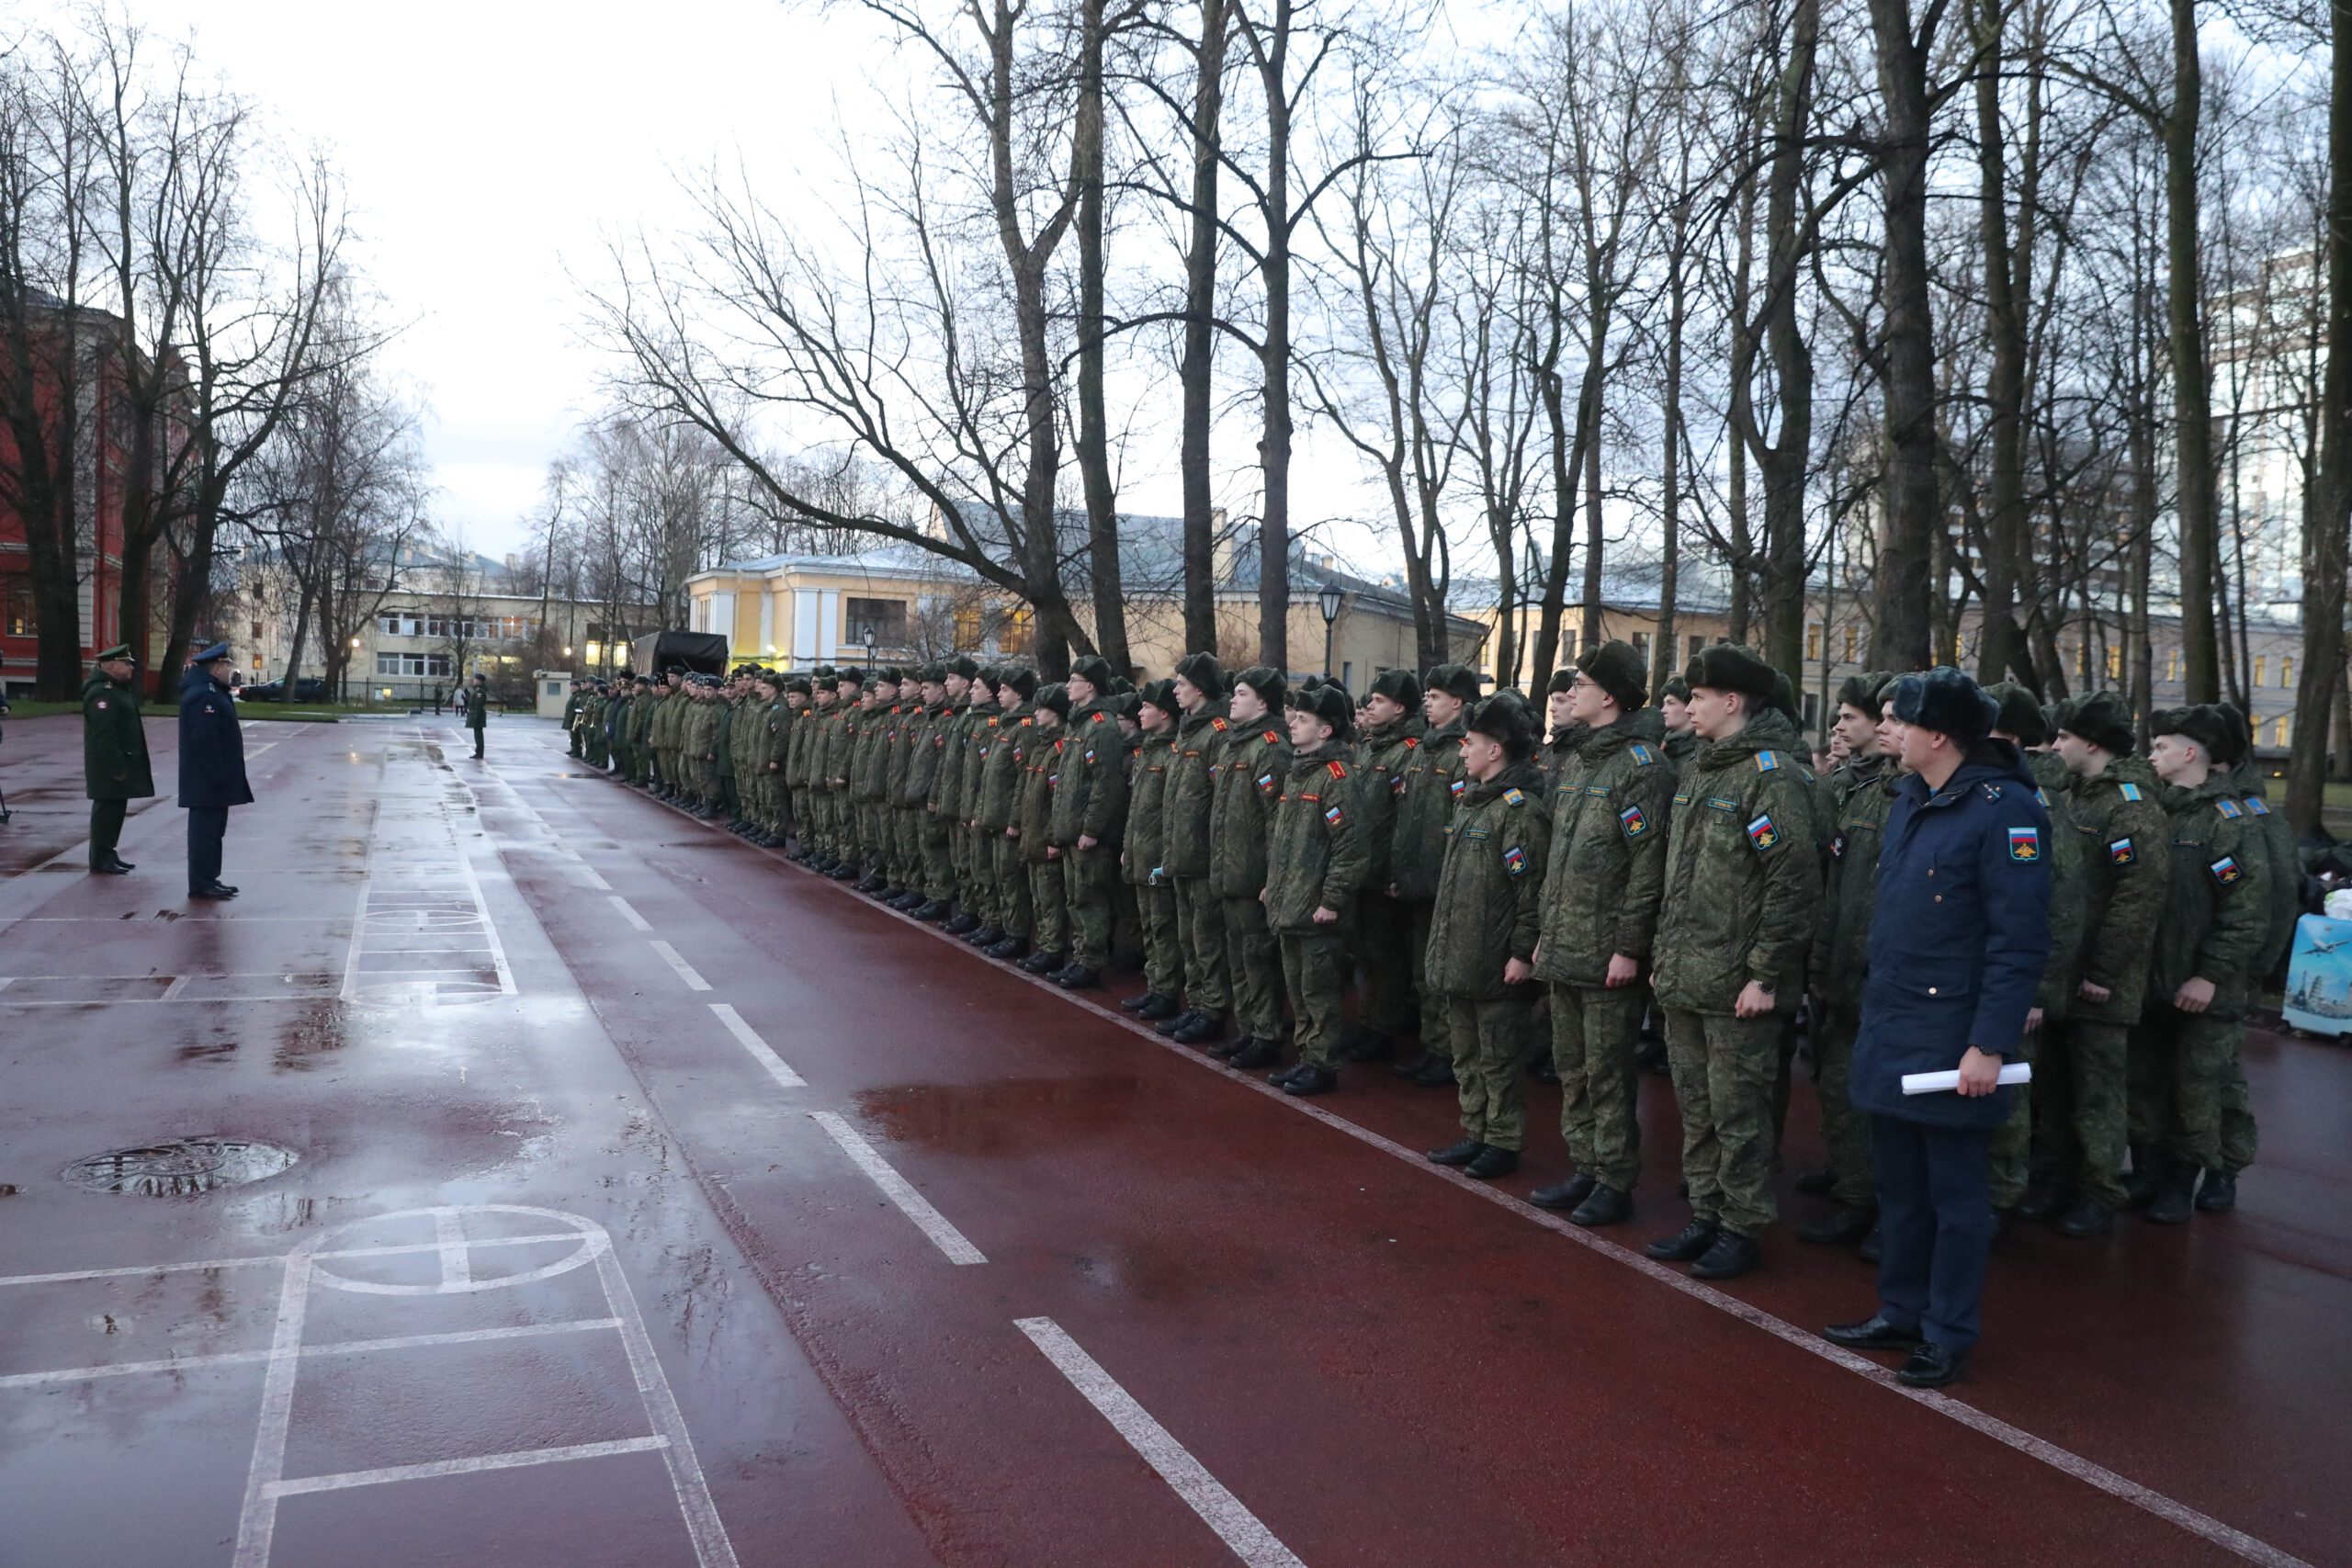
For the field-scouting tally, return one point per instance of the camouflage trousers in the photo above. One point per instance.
(1163, 955)
(1316, 969)
(1436, 1016)
(2182, 1067)
(1391, 968)
(1594, 1033)
(1490, 1064)
(1723, 1069)
(1049, 899)
(579, 739)
(1846, 1131)
(1200, 935)
(1015, 910)
(2011, 1157)
(939, 840)
(2080, 1127)
(1088, 880)
(909, 866)
(1253, 966)
(982, 897)
(2240, 1138)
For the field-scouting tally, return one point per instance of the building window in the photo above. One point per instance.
(414, 664)
(1568, 646)
(1813, 643)
(2286, 671)
(16, 607)
(1019, 633)
(967, 626)
(2114, 663)
(2280, 730)
(1853, 644)
(1642, 647)
(885, 618)
(2172, 665)
(1696, 644)
(2261, 667)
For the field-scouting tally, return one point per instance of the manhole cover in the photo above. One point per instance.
(180, 1168)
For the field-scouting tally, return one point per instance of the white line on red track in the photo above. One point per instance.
(1240, 1529)
(685, 971)
(750, 1038)
(628, 912)
(911, 1203)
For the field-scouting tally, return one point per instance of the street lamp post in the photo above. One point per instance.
(869, 650)
(346, 669)
(1330, 600)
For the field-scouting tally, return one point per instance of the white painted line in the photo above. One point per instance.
(911, 1203)
(712, 1547)
(1243, 1533)
(172, 992)
(258, 1520)
(449, 1231)
(7, 981)
(350, 1478)
(207, 1265)
(588, 875)
(628, 913)
(341, 1347)
(784, 1076)
(685, 970)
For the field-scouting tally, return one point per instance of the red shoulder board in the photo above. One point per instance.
(1339, 770)
(1025, 723)
(1101, 718)
(1273, 737)
(1058, 746)
(1411, 741)
(1217, 725)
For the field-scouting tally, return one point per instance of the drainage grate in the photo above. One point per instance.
(180, 1168)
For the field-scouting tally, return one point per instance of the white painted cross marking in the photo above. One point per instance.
(685, 970)
(628, 913)
(784, 1076)
(1240, 1529)
(911, 1203)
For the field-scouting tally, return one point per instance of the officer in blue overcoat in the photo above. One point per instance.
(212, 767)
(1958, 939)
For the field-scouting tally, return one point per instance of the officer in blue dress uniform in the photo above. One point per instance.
(1959, 937)
(212, 767)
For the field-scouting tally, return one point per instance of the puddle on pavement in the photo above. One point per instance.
(313, 1031)
(180, 1168)
(1015, 1116)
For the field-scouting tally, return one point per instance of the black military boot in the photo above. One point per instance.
(987, 936)
(2217, 1193)
(1045, 962)
(2175, 1199)
(2088, 1218)
(1174, 1023)
(1436, 1072)
(1012, 947)
(1563, 1194)
(1139, 1002)
(1411, 1064)
(963, 924)
(1255, 1052)
(1204, 1027)
(1814, 1183)
(1077, 976)
(2043, 1204)
(931, 908)
(2147, 1173)
(1932, 1366)
(1158, 1007)
(1841, 1227)
(1306, 1081)
(1607, 1206)
(1492, 1162)
(1727, 1257)
(1462, 1153)
(1686, 1245)
(1365, 1046)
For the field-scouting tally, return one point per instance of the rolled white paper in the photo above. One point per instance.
(1929, 1083)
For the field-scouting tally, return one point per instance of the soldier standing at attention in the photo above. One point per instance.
(2126, 835)
(1032, 825)
(915, 769)
(1611, 805)
(115, 769)
(1140, 859)
(478, 712)
(212, 768)
(1434, 781)
(979, 923)
(1484, 929)
(1003, 781)
(2218, 1189)
(1733, 929)
(1315, 866)
(1090, 810)
(1198, 689)
(1958, 939)
(572, 704)
(1249, 781)
(1860, 793)
(946, 846)
(2216, 918)
(1387, 742)
(1674, 710)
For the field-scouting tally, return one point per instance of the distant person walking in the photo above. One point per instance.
(115, 769)
(212, 767)
(478, 712)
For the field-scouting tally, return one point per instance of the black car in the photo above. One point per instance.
(307, 689)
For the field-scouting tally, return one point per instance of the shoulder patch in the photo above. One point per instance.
(2041, 797)
(1992, 792)
(1273, 738)
(1456, 787)
(1218, 724)
(1411, 741)
(1514, 797)
(2025, 843)
(2257, 806)
(1334, 816)
(1763, 832)
(1633, 822)
(2121, 852)
(2130, 792)
(2230, 808)
(1515, 859)
(1337, 770)
(1643, 755)
(2226, 870)
(1765, 761)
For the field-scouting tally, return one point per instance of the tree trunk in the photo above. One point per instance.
(1093, 436)
(1901, 633)
(2009, 276)
(1200, 331)
(2198, 492)
(2320, 684)
(1273, 444)
(1669, 575)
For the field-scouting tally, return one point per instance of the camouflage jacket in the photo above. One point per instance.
(2069, 857)
(1682, 745)
(1316, 857)
(2126, 838)
(980, 727)
(951, 735)
(1742, 875)
(1433, 780)
(1192, 790)
(1091, 799)
(1005, 768)
(1041, 767)
(1489, 908)
(1860, 793)
(1382, 757)
(2282, 892)
(922, 740)
(1249, 779)
(1140, 853)
(2216, 914)
(1612, 804)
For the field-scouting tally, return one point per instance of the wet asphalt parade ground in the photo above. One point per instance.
(521, 1173)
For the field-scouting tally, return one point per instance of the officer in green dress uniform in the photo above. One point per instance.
(114, 754)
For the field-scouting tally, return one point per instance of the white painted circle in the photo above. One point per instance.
(593, 1243)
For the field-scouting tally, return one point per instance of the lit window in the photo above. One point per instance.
(1813, 641)
(1642, 646)
(2115, 663)
(1853, 644)
(2285, 669)
(2278, 732)
(2172, 664)
(2260, 668)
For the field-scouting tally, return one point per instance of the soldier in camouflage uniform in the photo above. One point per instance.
(804, 770)
(1613, 803)
(2126, 840)
(1387, 744)
(1484, 929)
(1860, 793)
(982, 897)
(869, 780)
(1090, 808)
(2218, 1189)
(1249, 780)
(573, 706)
(1315, 866)
(1002, 781)
(2184, 1055)
(1742, 887)
(835, 763)
(1048, 889)
(1433, 781)
(1674, 711)
(699, 737)
(1199, 688)
(947, 845)
(1141, 860)
(914, 765)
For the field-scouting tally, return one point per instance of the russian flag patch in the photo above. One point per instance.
(2025, 843)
